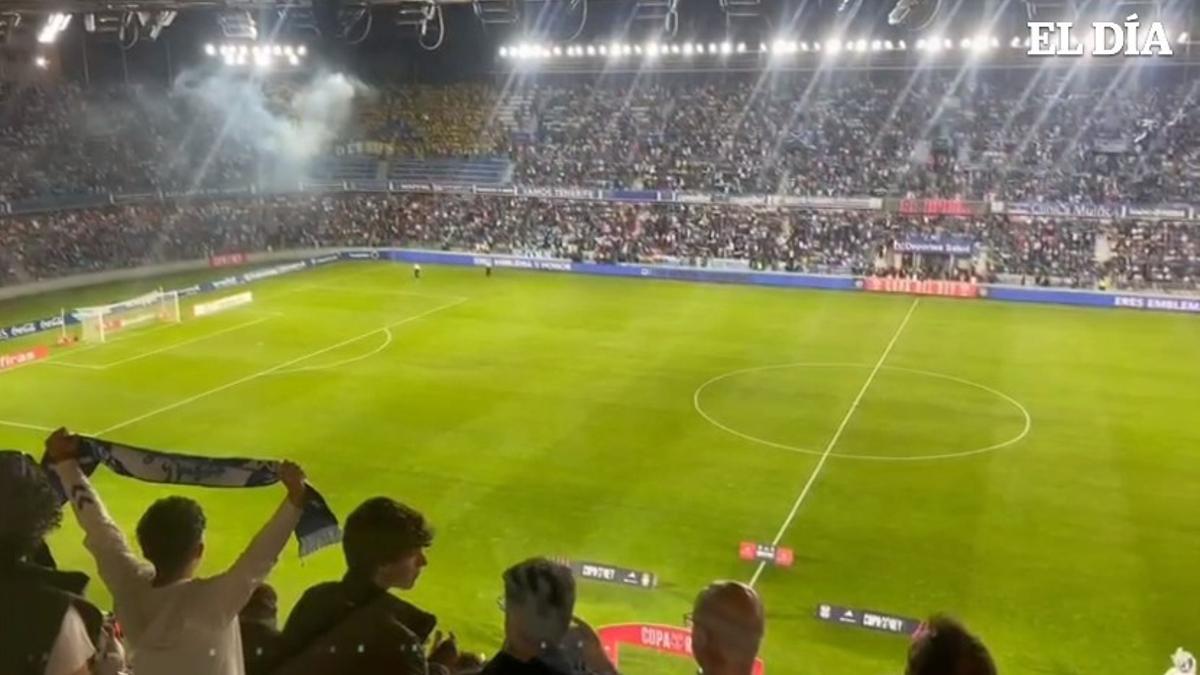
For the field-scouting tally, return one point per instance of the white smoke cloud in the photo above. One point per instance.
(285, 125)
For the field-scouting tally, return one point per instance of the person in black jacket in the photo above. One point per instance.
(384, 543)
(49, 629)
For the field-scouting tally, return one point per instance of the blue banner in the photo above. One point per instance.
(1160, 303)
(942, 245)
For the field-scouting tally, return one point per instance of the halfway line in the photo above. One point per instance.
(812, 478)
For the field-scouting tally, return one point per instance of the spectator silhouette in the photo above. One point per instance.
(258, 621)
(943, 646)
(174, 623)
(539, 602)
(48, 628)
(728, 623)
(355, 625)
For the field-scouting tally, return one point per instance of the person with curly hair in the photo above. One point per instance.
(49, 629)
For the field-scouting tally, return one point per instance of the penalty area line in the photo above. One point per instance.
(837, 435)
(273, 369)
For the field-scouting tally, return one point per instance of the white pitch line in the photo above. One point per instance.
(272, 369)
(812, 478)
(177, 345)
(22, 425)
(345, 362)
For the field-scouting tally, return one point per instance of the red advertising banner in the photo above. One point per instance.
(936, 207)
(949, 289)
(18, 359)
(664, 639)
(781, 556)
(228, 260)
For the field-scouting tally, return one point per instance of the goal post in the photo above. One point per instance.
(98, 324)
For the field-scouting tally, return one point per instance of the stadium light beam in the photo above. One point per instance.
(55, 24)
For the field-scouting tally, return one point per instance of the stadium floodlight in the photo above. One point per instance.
(993, 42)
(556, 51)
(637, 49)
(614, 49)
(603, 49)
(741, 47)
(675, 49)
(56, 23)
(504, 52)
(876, 45)
(833, 46)
(779, 46)
(1016, 42)
(230, 59)
(712, 48)
(816, 46)
(862, 45)
(1183, 38)
(591, 50)
(700, 48)
(948, 43)
(889, 45)
(652, 49)
(966, 43)
(41, 62)
(922, 44)
(903, 45)
(726, 48)
(277, 50)
(302, 50)
(803, 46)
(294, 60)
(210, 50)
(627, 49)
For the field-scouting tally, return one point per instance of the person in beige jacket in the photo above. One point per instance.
(174, 622)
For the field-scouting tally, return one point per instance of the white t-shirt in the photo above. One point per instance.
(72, 648)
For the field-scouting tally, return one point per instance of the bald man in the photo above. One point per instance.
(727, 628)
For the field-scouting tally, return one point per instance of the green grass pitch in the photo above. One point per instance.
(537, 413)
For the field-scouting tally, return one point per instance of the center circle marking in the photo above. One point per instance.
(1026, 428)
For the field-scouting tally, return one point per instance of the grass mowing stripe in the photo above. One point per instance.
(837, 434)
(272, 369)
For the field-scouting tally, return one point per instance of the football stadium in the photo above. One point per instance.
(442, 338)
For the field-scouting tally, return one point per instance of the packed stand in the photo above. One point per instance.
(1077, 253)
(1002, 135)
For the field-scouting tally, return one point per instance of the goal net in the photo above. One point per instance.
(98, 324)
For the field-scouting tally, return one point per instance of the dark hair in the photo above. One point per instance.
(543, 592)
(30, 508)
(262, 607)
(169, 532)
(381, 530)
(945, 647)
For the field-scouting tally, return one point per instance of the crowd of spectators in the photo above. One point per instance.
(170, 621)
(1078, 253)
(1010, 136)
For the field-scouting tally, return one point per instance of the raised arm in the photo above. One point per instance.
(231, 589)
(119, 567)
